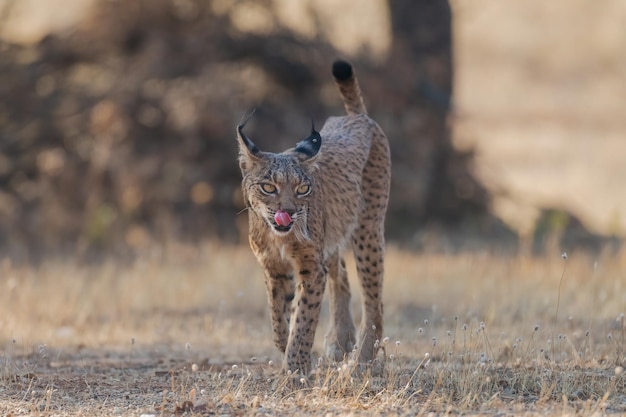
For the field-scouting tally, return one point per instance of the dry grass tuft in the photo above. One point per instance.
(190, 334)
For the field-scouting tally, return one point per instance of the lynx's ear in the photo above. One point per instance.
(309, 147)
(248, 151)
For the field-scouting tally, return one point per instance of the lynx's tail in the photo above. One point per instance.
(348, 88)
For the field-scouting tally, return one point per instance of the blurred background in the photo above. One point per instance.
(117, 118)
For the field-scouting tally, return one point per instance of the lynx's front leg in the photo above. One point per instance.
(311, 283)
(279, 283)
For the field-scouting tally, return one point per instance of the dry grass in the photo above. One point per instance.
(470, 333)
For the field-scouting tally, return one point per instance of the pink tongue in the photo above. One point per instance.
(282, 218)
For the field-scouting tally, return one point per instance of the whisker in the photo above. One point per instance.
(242, 210)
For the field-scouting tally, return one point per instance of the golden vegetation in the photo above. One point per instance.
(187, 331)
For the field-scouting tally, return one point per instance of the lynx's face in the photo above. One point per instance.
(279, 190)
(279, 187)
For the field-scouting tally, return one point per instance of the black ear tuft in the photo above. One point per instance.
(342, 70)
(242, 137)
(312, 144)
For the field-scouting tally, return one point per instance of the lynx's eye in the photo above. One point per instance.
(303, 189)
(268, 188)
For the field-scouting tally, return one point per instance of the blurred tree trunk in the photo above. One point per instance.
(432, 180)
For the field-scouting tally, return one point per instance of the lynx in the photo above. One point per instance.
(306, 205)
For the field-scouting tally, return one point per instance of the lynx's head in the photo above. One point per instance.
(280, 187)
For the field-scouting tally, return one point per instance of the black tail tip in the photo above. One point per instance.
(342, 70)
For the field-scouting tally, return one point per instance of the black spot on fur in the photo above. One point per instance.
(342, 70)
(283, 277)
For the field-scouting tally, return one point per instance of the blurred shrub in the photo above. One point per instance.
(121, 133)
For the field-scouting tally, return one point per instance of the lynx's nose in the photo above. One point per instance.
(282, 218)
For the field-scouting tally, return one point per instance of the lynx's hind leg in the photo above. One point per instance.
(340, 337)
(368, 243)
(368, 252)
